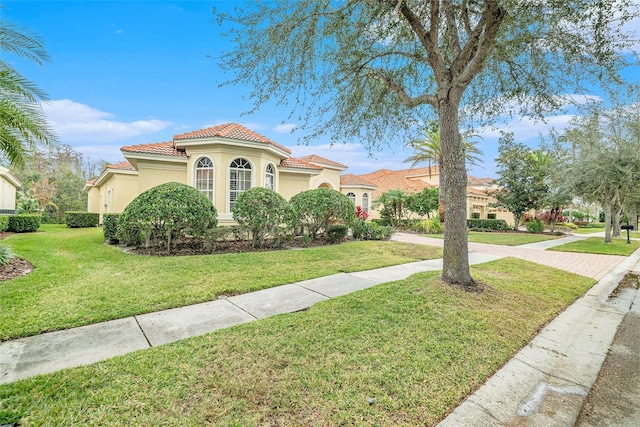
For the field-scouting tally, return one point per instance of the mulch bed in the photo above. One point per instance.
(16, 268)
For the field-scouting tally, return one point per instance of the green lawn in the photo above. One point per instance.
(506, 239)
(78, 280)
(596, 245)
(416, 346)
(587, 230)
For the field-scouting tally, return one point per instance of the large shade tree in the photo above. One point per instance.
(22, 123)
(374, 70)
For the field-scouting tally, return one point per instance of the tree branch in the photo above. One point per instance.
(407, 100)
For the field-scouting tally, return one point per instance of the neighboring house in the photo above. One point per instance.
(8, 187)
(221, 161)
(416, 179)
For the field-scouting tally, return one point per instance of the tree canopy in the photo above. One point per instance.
(364, 70)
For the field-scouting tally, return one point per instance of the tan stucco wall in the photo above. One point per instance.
(7, 194)
(329, 178)
(152, 174)
(93, 200)
(293, 183)
(117, 192)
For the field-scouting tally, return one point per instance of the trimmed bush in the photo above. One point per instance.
(75, 219)
(165, 213)
(536, 226)
(261, 212)
(317, 209)
(110, 227)
(371, 231)
(430, 226)
(6, 255)
(4, 223)
(487, 225)
(337, 233)
(24, 223)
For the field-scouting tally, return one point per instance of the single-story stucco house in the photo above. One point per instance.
(9, 185)
(221, 161)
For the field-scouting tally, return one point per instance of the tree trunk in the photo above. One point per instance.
(616, 222)
(633, 217)
(607, 221)
(455, 268)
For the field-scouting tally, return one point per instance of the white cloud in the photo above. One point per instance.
(285, 127)
(74, 122)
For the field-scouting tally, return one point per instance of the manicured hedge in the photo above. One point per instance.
(110, 227)
(24, 223)
(75, 219)
(4, 223)
(487, 224)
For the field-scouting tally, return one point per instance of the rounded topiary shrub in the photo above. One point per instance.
(164, 213)
(261, 212)
(317, 209)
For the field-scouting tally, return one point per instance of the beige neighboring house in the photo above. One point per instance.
(415, 180)
(221, 161)
(9, 185)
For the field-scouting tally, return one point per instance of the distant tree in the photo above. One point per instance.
(605, 163)
(424, 202)
(521, 183)
(366, 69)
(22, 124)
(394, 205)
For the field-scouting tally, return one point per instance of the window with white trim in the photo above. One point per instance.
(270, 177)
(365, 202)
(204, 177)
(352, 196)
(239, 179)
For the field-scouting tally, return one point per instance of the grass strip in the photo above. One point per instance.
(78, 280)
(596, 245)
(502, 238)
(401, 353)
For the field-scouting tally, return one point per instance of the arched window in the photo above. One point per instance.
(239, 179)
(365, 202)
(270, 177)
(204, 177)
(352, 196)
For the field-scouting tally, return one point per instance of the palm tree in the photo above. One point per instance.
(22, 123)
(430, 150)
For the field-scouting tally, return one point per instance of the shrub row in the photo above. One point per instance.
(487, 225)
(4, 223)
(76, 219)
(24, 223)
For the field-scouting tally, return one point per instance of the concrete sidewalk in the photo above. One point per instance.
(545, 384)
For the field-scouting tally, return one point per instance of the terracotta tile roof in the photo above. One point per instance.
(122, 166)
(231, 131)
(314, 158)
(475, 191)
(351, 179)
(294, 163)
(386, 180)
(158, 148)
(480, 181)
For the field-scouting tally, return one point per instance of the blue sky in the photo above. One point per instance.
(135, 72)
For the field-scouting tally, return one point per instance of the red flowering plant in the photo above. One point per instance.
(361, 214)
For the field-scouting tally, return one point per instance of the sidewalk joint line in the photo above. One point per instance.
(311, 290)
(236, 305)
(142, 330)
